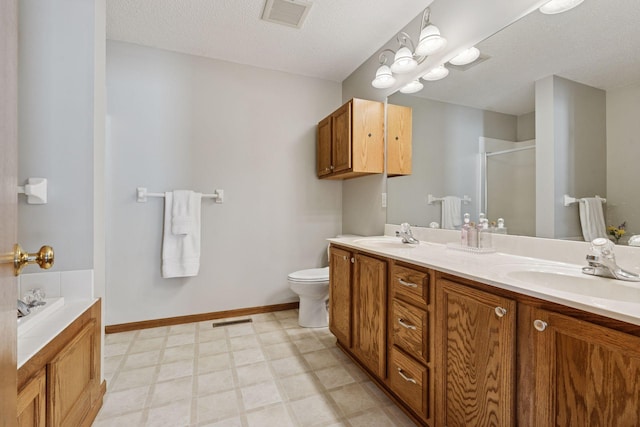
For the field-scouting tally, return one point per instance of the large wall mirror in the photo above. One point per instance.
(552, 107)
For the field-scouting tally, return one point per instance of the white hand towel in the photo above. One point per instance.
(592, 219)
(181, 252)
(451, 217)
(185, 205)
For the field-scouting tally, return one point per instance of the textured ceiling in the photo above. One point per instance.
(597, 44)
(337, 35)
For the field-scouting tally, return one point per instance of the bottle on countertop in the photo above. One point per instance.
(464, 230)
(484, 235)
(501, 229)
(472, 235)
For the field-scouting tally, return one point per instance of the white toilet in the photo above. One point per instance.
(312, 286)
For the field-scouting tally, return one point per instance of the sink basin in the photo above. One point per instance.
(572, 280)
(383, 243)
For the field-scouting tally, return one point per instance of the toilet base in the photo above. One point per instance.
(313, 312)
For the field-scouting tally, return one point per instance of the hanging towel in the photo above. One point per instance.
(185, 205)
(181, 252)
(451, 218)
(592, 219)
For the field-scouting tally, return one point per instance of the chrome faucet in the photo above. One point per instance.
(406, 234)
(603, 262)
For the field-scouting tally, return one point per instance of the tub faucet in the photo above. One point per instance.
(603, 262)
(406, 234)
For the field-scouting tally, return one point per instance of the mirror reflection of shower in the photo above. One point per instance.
(507, 183)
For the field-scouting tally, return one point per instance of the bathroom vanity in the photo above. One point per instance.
(487, 339)
(59, 368)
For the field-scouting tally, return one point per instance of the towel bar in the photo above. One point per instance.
(142, 194)
(568, 200)
(431, 200)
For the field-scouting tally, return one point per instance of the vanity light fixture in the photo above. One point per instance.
(465, 57)
(558, 6)
(412, 87)
(437, 73)
(407, 57)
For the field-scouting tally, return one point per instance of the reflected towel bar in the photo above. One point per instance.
(431, 200)
(568, 200)
(142, 194)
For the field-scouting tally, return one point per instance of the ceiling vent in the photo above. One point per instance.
(286, 12)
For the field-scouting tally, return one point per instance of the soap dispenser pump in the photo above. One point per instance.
(464, 231)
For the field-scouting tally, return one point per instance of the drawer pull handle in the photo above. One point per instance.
(406, 325)
(540, 325)
(407, 284)
(406, 378)
(501, 311)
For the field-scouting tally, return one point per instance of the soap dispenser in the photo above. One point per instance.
(472, 235)
(501, 229)
(484, 235)
(464, 231)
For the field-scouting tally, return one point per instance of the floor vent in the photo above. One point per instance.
(286, 12)
(231, 322)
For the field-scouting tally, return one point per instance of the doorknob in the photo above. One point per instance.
(44, 258)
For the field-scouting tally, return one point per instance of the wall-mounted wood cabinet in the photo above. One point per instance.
(399, 140)
(351, 141)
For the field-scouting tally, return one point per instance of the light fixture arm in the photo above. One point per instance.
(403, 38)
(382, 58)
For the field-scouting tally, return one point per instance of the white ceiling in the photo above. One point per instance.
(337, 35)
(597, 44)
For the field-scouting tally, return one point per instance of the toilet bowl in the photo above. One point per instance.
(312, 286)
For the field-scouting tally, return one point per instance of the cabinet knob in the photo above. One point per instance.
(397, 138)
(353, 260)
(500, 311)
(331, 167)
(540, 325)
(344, 257)
(406, 378)
(369, 135)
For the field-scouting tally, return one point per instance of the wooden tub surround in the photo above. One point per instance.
(453, 351)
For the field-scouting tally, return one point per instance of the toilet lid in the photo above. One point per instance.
(310, 275)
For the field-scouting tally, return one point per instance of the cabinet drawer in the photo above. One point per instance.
(410, 283)
(410, 330)
(409, 379)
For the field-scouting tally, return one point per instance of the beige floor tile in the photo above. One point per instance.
(181, 339)
(229, 422)
(289, 366)
(299, 386)
(111, 364)
(182, 352)
(310, 344)
(170, 391)
(134, 378)
(261, 327)
(153, 332)
(172, 415)
(140, 346)
(184, 328)
(274, 337)
(215, 382)
(258, 395)
(116, 349)
(213, 347)
(372, 418)
(211, 334)
(243, 342)
(120, 402)
(140, 360)
(285, 314)
(240, 329)
(314, 411)
(217, 407)
(247, 357)
(299, 333)
(280, 351)
(262, 317)
(289, 323)
(121, 337)
(173, 370)
(334, 376)
(214, 362)
(127, 420)
(252, 374)
(271, 416)
(321, 359)
(353, 398)
(398, 416)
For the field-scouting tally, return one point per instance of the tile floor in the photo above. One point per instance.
(268, 373)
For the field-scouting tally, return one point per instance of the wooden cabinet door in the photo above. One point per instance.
(367, 132)
(476, 356)
(323, 154)
(369, 313)
(72, 379)
(399, 139)
(32, 402)
(341, 136)
(586, 375)
(340, 262)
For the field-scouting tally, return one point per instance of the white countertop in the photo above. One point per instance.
(46, 325)
(567, 285)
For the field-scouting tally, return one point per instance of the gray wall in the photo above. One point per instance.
(184, 122)
(623, 152)
(56, 107)
(445, 157)
(571, 155)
